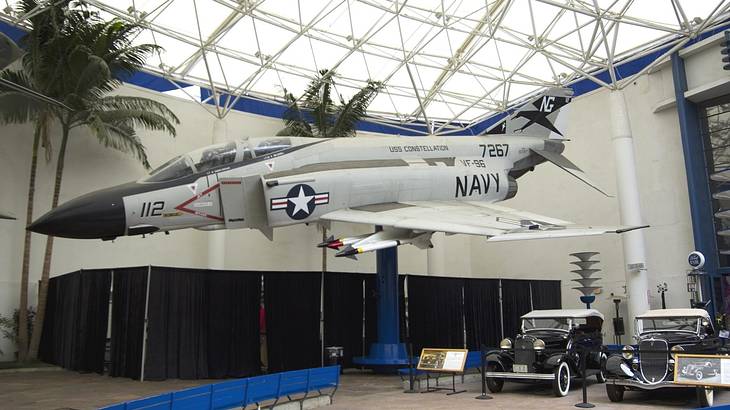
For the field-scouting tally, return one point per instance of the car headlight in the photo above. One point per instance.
(506, 343)
(627, 352)
(538, 344)
(677, 348)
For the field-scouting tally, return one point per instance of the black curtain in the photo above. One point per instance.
(77, 319)
(292, 302)
(481, 312)
(343, 313)
(234, 348)
(435, 312)
(128, 300)
(546, 294)
(515, 303)
(202, 324)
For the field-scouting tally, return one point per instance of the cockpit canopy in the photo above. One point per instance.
(217, 156)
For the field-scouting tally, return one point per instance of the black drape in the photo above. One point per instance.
(202, 324)
(234, 348)
(546, 294)
(435, 312)
(481, 312)
(292, 302)
(77, 319)
(343, 313)
(515, 303)
(49, 338)
(129, 291)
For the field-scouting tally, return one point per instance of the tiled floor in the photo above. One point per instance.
(378, 392)
(70, 390)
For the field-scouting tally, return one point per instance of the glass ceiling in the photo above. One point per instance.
(449, 63)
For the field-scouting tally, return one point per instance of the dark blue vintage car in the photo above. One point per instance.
(548, 349)
(649, 364)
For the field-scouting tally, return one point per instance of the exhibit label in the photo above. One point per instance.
(702, 370)
(442, 360)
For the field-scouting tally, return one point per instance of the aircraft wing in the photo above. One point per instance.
(498, 223)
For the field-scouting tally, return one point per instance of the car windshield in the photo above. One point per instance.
(546, 323)
(175, 168)
(662, 324)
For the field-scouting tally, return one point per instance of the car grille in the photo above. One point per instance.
(524, 352)
(653, 359)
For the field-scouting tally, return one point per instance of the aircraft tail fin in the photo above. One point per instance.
(541, 117)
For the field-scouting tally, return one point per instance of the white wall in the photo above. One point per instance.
(547, 190)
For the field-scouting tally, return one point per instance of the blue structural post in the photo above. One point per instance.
(387, 351)
(700, 197)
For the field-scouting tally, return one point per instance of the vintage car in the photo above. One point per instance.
(699, 370)
(548, 348)
(649, 364)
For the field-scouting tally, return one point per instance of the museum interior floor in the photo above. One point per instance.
(50, 390)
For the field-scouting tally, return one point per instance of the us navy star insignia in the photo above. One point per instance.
(300, 201)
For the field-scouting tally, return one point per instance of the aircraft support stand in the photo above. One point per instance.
(387, 352)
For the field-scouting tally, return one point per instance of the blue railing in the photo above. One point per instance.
(242, 392)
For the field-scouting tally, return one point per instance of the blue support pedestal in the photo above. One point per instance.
(388, 351)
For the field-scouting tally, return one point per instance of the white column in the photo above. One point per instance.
(436, 256)
(217, 239)
(637, 283)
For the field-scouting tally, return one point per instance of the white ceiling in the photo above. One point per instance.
(456, 61)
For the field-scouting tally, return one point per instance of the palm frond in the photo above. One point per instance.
(138, 103)
(318, 99)
(354, 110)
(17, 106)
(119, 136)
(296, 123)
(139, 118)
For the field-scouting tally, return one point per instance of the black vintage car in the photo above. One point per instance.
(649, 364)
(548, 348)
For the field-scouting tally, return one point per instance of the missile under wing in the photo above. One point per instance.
(411, 187)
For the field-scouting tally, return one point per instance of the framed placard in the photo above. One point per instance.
(442, 360)
(702, 370)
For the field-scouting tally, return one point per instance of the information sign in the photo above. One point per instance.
(442, 360)
(702, 370)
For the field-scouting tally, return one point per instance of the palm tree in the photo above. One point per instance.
(327, 118)
(78, 59)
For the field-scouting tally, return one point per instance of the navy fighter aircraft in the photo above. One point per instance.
(411, 187)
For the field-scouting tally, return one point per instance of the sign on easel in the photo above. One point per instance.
(702, 370)
(442, 360)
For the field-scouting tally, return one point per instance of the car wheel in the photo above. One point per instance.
(615, 393)
(706, 396)
(698, 375)
(601, 375)
(493, 384)
(561, 382)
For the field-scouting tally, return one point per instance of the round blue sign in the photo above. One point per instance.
(696, 260)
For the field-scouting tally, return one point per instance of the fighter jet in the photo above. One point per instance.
(408, 187)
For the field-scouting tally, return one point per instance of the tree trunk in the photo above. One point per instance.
(35, 340)
(25, 268)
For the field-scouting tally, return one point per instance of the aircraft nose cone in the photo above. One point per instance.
(92, 216)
